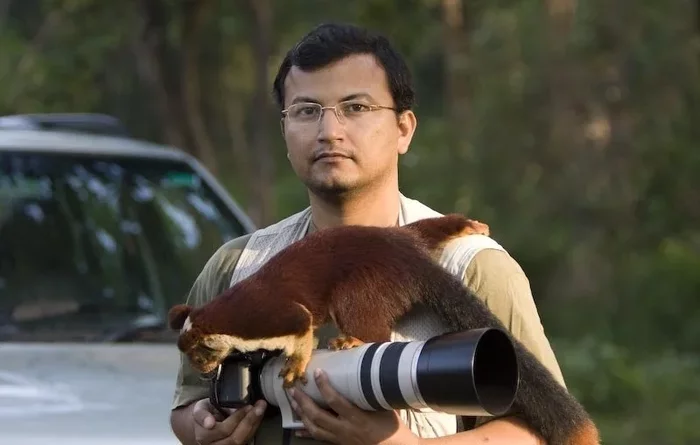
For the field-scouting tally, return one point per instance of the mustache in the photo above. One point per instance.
(332, 151)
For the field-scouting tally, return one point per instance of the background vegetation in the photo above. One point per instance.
(567, 125)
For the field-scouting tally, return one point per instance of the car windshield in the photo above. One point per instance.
(97, 248)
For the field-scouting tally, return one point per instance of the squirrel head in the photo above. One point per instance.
(201, 347)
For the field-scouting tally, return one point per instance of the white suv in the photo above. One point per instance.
(99, 235)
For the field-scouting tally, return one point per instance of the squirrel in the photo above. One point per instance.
(364, 279)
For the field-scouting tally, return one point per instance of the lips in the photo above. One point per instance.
(330, 154)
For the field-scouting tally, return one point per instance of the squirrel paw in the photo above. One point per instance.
(344, 342)
(291, 372)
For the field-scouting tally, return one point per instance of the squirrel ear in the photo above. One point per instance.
(177, 315)
(479, 227)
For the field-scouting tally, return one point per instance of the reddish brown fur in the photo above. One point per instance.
(586, 434)
(177, 315)
(437, 232)
(253, 309)
(240, 309)
(367, 278)
(310, 289)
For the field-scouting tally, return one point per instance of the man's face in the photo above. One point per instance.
(333, 157)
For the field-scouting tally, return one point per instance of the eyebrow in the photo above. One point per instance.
(304, 99)
(349, 97)
(357, 96)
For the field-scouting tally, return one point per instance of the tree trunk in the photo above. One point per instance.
(457, 83)
(263, 205)
(151, 53)
(194, 16)
(242, 165)
(456, 44)
(621, 152)
(562, 86)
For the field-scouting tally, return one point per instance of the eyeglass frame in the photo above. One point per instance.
(372, 107)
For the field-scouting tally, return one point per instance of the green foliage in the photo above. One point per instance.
(48, 65)
(645, 402)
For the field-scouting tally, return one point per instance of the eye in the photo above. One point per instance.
(304, 110)
(355, 108)
(205, 350)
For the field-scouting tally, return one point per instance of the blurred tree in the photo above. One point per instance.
(456, 91)
(263, 208)
(155, 61)
(195, 17)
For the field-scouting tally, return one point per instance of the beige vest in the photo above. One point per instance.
(416, 326)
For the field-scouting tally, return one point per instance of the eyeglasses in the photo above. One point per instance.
(310, 113)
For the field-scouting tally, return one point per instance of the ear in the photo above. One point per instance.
(177, 315)
(407, 126)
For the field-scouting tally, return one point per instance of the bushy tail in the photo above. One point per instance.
(436, 232)
(541, 402)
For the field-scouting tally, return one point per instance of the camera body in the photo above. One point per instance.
(237, 379)
(468, 373)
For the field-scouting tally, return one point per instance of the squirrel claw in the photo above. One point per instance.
(344, 342)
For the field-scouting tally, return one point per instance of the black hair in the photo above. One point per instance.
(328, 43)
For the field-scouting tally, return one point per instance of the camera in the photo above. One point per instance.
(467, 373)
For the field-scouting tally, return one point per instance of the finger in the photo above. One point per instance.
(317, 434)
(231, 422)
(302, 433)
(333, 398)
(223, 429)
(203, 414)
(247, 427)
(321, 424)
(313, 430)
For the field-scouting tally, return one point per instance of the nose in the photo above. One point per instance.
(329, 127)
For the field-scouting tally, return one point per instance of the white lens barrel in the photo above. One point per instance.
(342, 368)
(470, 373)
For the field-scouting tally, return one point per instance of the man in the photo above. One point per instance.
(346, 99)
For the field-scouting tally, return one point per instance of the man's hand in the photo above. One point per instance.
(210, 427)
(351, 425)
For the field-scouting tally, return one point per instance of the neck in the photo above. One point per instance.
(373, 208)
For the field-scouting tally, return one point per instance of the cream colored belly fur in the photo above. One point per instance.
(297, 349)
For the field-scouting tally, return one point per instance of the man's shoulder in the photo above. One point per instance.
(493, 261)
(286, 224)
(216, 274)
(228, 252)
(498, 279)
(482, 263)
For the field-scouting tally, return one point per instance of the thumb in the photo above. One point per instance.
(202, 414)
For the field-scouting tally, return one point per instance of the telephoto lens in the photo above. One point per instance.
(468, 373)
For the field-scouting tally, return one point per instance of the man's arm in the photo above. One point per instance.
(505, 431)
(498, 279)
